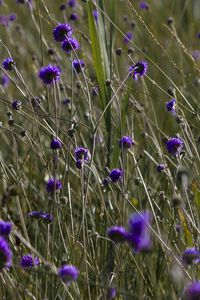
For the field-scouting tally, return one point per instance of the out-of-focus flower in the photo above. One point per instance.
(53, 184)
(5, 228)
(192, 292)
(68, 273)
(4, 81)
(5, 254)
(196, 54)
(160, 168)
(29, 261)
(190, 256)
(78, 65)
(41, 215)
(128, 37)
(117, 233)
(112, 293)
(70, 44)
(144, 5)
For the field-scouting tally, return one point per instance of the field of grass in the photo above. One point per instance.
(99, 162)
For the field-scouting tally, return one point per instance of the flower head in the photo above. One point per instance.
(8, 64)
(53, 184)
(139, 232)
(5, 254)
(73, 17)
(192, 292)
(116, 175)
(29, 261)
(70, 44)
(190, 256)
(5, 228)
(68, 273)
(144, 5)
(170, 106)
(55, 144)
(49, 74)
(81, 155)
(112, 293)
(12, 17)
(72, 3)
(40, 215)
(139, 69)
(78, 65)
(16, 104)
(128, 37)
(174, 146)
(95, 14)
(126, 142)
(117, 233)
(4, 80)
(160, 168)
(61, 31)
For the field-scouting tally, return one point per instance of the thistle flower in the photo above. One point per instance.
(8, 64)
(40, 215)
(116, 175)
(81, 155)
(190, 256)
(126, 142)
(49, 74)
(174, 146)
(16, 104)
(12, 17)
(70, 44)
(117, 233)
(5, 254)
(139, 235)
(192, 292)
(112, 293)
(29, 261)
(61, 31)
(68, 273)
(170, 106)
(139, 69)
(55, 144)
(5, 228)
(78, 65)
(160, 168)
(53, 184)
(128, 37)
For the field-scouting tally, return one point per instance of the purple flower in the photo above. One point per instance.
(4, 20)
(128, 37)
(53, 184)
(78, 65)
(66, 101)
(144, 5)
(95, 14)
(68, 273)
(126, 142)
(198, 35)
(112, 293)
(40, 215)
(117, 233)
(28, 261)
(5, 254)
(8, 64)
(61, 31)
(4, 80)
(192, 292)
(55, 144)
(160, 168)
(170, 106)
(16, 104)
(70, 44)
(190, 256)
(174, 146)
(81, 155)
(1, 2)
(49, 74)
(12, 17)
(73, 17)
(139, 69)
(62, 7)
(72, 3)
(116, 175)
(139, 232)
(5, 228)
(196, 54)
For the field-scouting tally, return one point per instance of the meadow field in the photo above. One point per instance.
(99, 149)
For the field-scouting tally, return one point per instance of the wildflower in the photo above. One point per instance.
(72, 3)
(126, 142)
(5, 254)
(139, 232)
(53, 184)
(78, 65)
(116, 175)
(12, 17)
(61, 31)
(16, 104)
(192, 292)
(40, 215)
(49, 74)
(144, 5)
(73, 17)
(139, 69)
(70, 44)
(196, 54)
(112, 293)
(160, 168)
(68, 273)
(128, 37)
(174, 146)
(66, 101)
(95, 14)
(55, 144)
(62, 7)
(170, 106)
(190, 255)
(5, 228)
(8, 64)
(117, 233)
(81, 156)
(4, 80)
(28, 261)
